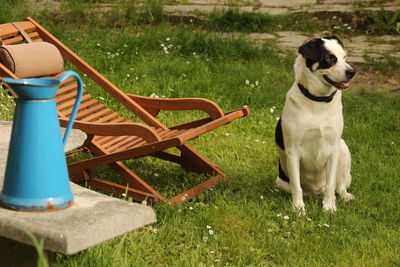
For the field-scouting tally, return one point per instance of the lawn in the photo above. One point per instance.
(244, 221)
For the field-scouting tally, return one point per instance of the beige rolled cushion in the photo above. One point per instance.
(32, 59)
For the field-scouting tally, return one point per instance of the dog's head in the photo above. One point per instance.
(326, 59)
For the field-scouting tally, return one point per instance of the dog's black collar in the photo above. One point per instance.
(312, 97)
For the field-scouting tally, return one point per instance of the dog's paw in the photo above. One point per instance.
(329, 205)
(299, 208)
(347, 196)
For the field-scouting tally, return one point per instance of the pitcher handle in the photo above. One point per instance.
(62, 78)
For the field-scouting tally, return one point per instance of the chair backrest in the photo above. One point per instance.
(10, 35)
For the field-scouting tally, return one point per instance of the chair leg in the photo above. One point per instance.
(191, 160)
(134, 180)
(127, 174)
(196, 190)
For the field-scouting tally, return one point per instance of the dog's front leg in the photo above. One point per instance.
(293, 166)
(329, 202)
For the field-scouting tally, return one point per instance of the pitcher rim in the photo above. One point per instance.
(32, 81)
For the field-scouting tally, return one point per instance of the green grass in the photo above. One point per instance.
(244, 212)
(234, 20)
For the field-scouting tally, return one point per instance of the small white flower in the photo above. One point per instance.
(131, 68)
(187, 62)
(156, 175)
(117, 54)
(247, 82)
(319, 225)
(128, 75)
(190, 208)
(168, 39)
(270, 230)
(194, 53)
(144, 202)
(208, 227)
(262, 197)
(252, 85)
(277, 118)
(98, 44)
(165, 48)
(125, 45)
(205, 238)
(101, 98)
(212, 252)
(392, 143)
(124, 195)
(286, 217)
(211, 232)
(257, 83)
(257, 140)
(271, 110)
(278, 215)
(309, 219)
(288, 234)
(327, 225)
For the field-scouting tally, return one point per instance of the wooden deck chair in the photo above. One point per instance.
(113, 138)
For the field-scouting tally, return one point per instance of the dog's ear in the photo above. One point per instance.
(334, 37)
(312, 49)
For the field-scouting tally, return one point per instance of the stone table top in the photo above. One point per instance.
(92, 219)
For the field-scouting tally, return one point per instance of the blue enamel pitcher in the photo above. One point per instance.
(36, 177)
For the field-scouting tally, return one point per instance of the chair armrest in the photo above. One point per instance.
(115, 129)
(211, 108)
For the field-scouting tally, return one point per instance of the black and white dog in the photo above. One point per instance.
(312, 155)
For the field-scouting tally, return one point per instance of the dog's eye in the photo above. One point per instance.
(331, 59)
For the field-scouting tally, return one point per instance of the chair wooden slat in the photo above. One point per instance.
(108, 118)
(89, 111)
(126, 144)
(8, 30)
(96, 115)
(113, 144)
(67, 88)
(19, 39)
(66, 97)
(69, 104)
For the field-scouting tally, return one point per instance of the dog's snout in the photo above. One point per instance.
(350, 73)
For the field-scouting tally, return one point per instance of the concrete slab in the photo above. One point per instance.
(291, 40)
(191, 9)
(261, 36)
(91, 220)
(272, 10)
(292, 3)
